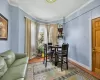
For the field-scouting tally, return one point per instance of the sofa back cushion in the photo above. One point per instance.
(9, 57)
(3, 66)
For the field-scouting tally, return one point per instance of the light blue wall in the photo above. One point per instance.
(78, 33)
(4, 10)
(18, 29)
(78, 38)
(14, 28)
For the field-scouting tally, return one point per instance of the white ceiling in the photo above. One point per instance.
(40, 9)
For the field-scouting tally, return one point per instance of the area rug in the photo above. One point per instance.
(37, 71)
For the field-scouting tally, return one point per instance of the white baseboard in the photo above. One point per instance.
(88, 68)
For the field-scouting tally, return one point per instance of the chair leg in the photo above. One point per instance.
(57, 60)
(61, 62)
(46, 61)
(67, 62)
(51, 57)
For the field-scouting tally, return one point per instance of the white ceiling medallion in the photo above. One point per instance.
(50, 1)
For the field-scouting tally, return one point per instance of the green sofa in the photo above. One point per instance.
(13, 66)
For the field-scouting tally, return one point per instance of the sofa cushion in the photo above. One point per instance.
(14, 73)
(3, 66)
(20, 79)
(20, 55)
(20, 61)
(9, 57)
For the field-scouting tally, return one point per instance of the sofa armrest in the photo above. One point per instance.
(19, 56)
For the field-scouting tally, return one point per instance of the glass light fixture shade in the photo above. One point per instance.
(51, 1)
(1, 24)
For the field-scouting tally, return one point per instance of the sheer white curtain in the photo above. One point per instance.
(42, 28)
(53, 33)
(33, 38)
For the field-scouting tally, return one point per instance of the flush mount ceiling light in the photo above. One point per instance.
(50, 1)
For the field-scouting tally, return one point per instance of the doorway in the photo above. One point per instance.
(96, 45)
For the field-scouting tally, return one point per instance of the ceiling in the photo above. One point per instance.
(42, 10)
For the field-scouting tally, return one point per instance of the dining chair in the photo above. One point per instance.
(63, 54)
(49, 43)
(49, 46)
(50, 49)
(47, 55)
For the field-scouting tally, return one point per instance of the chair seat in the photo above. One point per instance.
(59, 51)
(50, 52)
(60, 54)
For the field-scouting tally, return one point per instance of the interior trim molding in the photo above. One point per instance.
(83, 68)
(49, 21)
(88, 68)
(33, 18)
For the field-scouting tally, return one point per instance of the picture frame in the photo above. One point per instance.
(3, 27)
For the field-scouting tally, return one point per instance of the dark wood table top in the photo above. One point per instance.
(55, 46)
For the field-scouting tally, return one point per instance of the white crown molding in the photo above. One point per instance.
(16, 5)
(77, 10)
(50, 21)
(80, 8)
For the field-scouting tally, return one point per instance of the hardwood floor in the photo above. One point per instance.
(36, 59)
(92, 73)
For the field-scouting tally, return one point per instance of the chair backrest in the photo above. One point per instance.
(65, 47)
(49, 44)
(45, 48)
